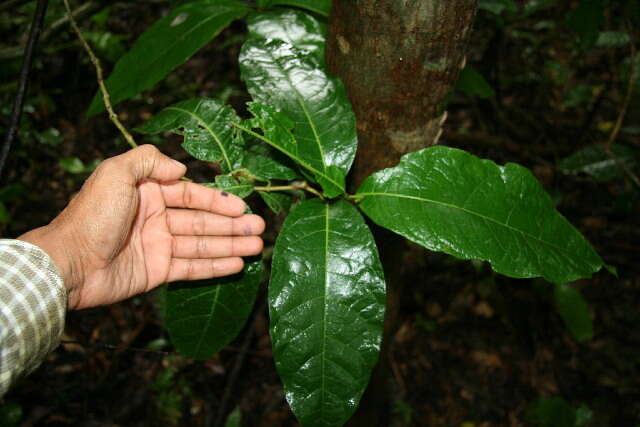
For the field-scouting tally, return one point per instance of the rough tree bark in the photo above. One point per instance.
(399, 59)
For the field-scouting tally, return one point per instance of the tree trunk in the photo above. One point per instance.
(398, 59)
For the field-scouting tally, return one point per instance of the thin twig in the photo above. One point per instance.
(627, 99)
(103, 88)
(117, 348)
(18, 103)
(621, 116)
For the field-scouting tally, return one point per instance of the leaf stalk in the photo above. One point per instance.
(293, 187)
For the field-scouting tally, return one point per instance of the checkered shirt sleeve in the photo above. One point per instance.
(33, 303)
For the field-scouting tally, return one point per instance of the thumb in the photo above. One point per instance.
(146, 161)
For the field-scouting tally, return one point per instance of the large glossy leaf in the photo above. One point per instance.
(450, 201)
(574, 311)
(297, 28)
(326, 303)
(168, 43)
(208, 134)
(292, 81)
(319, 6)
(204, 316)
(276, 132)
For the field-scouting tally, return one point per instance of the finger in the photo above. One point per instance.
(195, 196)
(200, 223)
(146, 161)
(198, 269)
(215, 247)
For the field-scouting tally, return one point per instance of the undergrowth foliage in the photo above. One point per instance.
(327, 289)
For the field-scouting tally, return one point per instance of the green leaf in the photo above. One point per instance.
(551, 412)
(238, 186)
(326, 304)
(208, 134)
(205, 315)
(584, 415)
(472, 83)
(594, 161)
(72, 165)
(5, 216)
(168, 43)
(10, 414)
(534, 6)
(297, 28)
(234, 419)
(12, 192)
(319, 6)
(586, 20)
(107, 44)
(613, 39)
(276, 132)
(497, 6)
(450, 201)
(277, 202)
(266, 163)
(574, 311)
(293, 82)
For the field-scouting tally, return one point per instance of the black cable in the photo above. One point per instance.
(18, 103)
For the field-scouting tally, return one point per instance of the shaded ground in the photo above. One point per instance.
(470, 346)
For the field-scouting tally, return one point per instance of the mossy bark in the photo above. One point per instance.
(399, 60)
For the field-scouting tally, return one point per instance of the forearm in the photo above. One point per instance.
(33, 302)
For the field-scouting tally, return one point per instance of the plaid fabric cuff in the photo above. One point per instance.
(33, 303)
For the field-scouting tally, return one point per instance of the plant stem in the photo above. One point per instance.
(298, 186)
(299, 161)
(627, 98)
(18, 104)
(103, 88)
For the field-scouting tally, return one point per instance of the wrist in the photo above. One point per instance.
(57, 247)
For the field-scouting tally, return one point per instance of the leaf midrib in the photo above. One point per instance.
(288, 153)
(298, 95)
(181, 39)
(211, 132)
(449, 205)
(209, 317)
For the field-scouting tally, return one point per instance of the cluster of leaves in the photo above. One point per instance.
(327, 289)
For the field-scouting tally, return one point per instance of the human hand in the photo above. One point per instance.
(134, 226)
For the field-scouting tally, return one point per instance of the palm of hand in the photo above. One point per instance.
(133, 226)
(156, 243)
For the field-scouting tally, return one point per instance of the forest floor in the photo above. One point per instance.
(469, 346)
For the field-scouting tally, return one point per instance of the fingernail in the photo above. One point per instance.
(179, 163)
